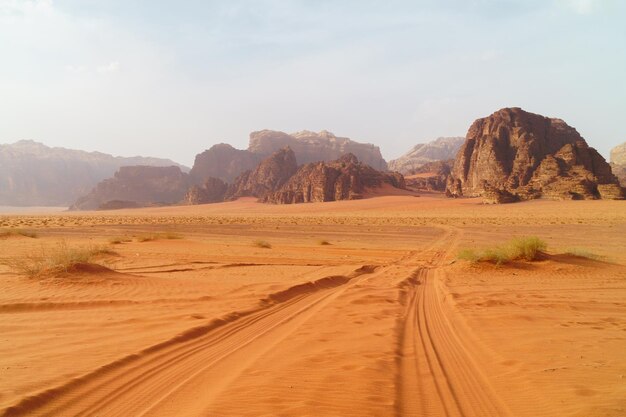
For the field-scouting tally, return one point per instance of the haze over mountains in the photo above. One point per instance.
(33, 174)
(511, 155)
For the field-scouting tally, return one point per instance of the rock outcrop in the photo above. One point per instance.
(315, 147)
(618, 163)
(517, 155)
(212, 190)
(267, 177)
(440, 149)
(224, 162)
(432, 176)
(32, 174)
(343, 179)
(137, 186)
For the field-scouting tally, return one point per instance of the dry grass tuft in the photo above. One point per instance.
(324, 242)
(262, 244)
(119, 240)
(158, 236)
(526, 248)
(58, 260)
(583, 253)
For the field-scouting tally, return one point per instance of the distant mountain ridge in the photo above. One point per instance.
(33, 174)
(440, 149)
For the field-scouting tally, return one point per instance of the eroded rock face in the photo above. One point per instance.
(343, 179)
(212, 190)
(432, 176)
(315, 147)
(137, 186)
(618, 163)
(521, 155)
(224, 162)
(267, 177)
(441, 149)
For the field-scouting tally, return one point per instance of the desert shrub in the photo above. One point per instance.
(528, 248)
(118, 240)
(158, 236)
(17, 232)
(262, 244)
(58, 259)
(582, 253)
(324, 242)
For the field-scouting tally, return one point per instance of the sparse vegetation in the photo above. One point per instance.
(158, 236)
(17, 232)
(119, 240)
(582, 253)
(57, 260)
(527, 248)
(262, 244)
(324, 242)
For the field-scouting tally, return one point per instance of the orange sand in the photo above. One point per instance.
(382, 321)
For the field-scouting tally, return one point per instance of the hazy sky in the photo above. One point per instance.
(170, 79)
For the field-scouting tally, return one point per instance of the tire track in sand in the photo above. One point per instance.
(215, 354)
(437, 375)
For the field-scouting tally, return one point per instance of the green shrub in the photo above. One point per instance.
(526, 248)
(262, 244)
(58, 259)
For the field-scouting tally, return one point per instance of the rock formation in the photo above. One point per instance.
(343, 179)
(212, 191)
(432, 176)
(224, 162)
(137, 186)
(517, 155)
(315, 147)
(618, 162)
(267, 177)
(32, 174)
(440, 149)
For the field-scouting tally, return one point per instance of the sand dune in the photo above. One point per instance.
(379, 320)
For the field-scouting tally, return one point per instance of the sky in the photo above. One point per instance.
(170, 79)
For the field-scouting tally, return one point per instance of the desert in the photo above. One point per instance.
(343, 308)
(312, 209)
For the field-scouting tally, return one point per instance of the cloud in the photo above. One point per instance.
(113, 66)
(24, 7)
(583, 7)
(76, 68)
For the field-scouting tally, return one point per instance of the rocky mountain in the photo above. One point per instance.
(137, 186)
(516, 155)
(431, 176)
(32, 174)
(224, 162)
(213, 190)
(618, 162)
(314, 147)
(267, 177)
(343, 179)
(440, 149)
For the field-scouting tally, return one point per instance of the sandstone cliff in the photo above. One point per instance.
(618, 163)
(267, 177)
(440, 149)
(343, 179)
(432, 176)
(212, 190)
(315, 147)
(32, 174)
(224, 162)
(137, 186)
(517, 155)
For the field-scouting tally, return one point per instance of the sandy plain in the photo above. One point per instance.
(382, 321)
